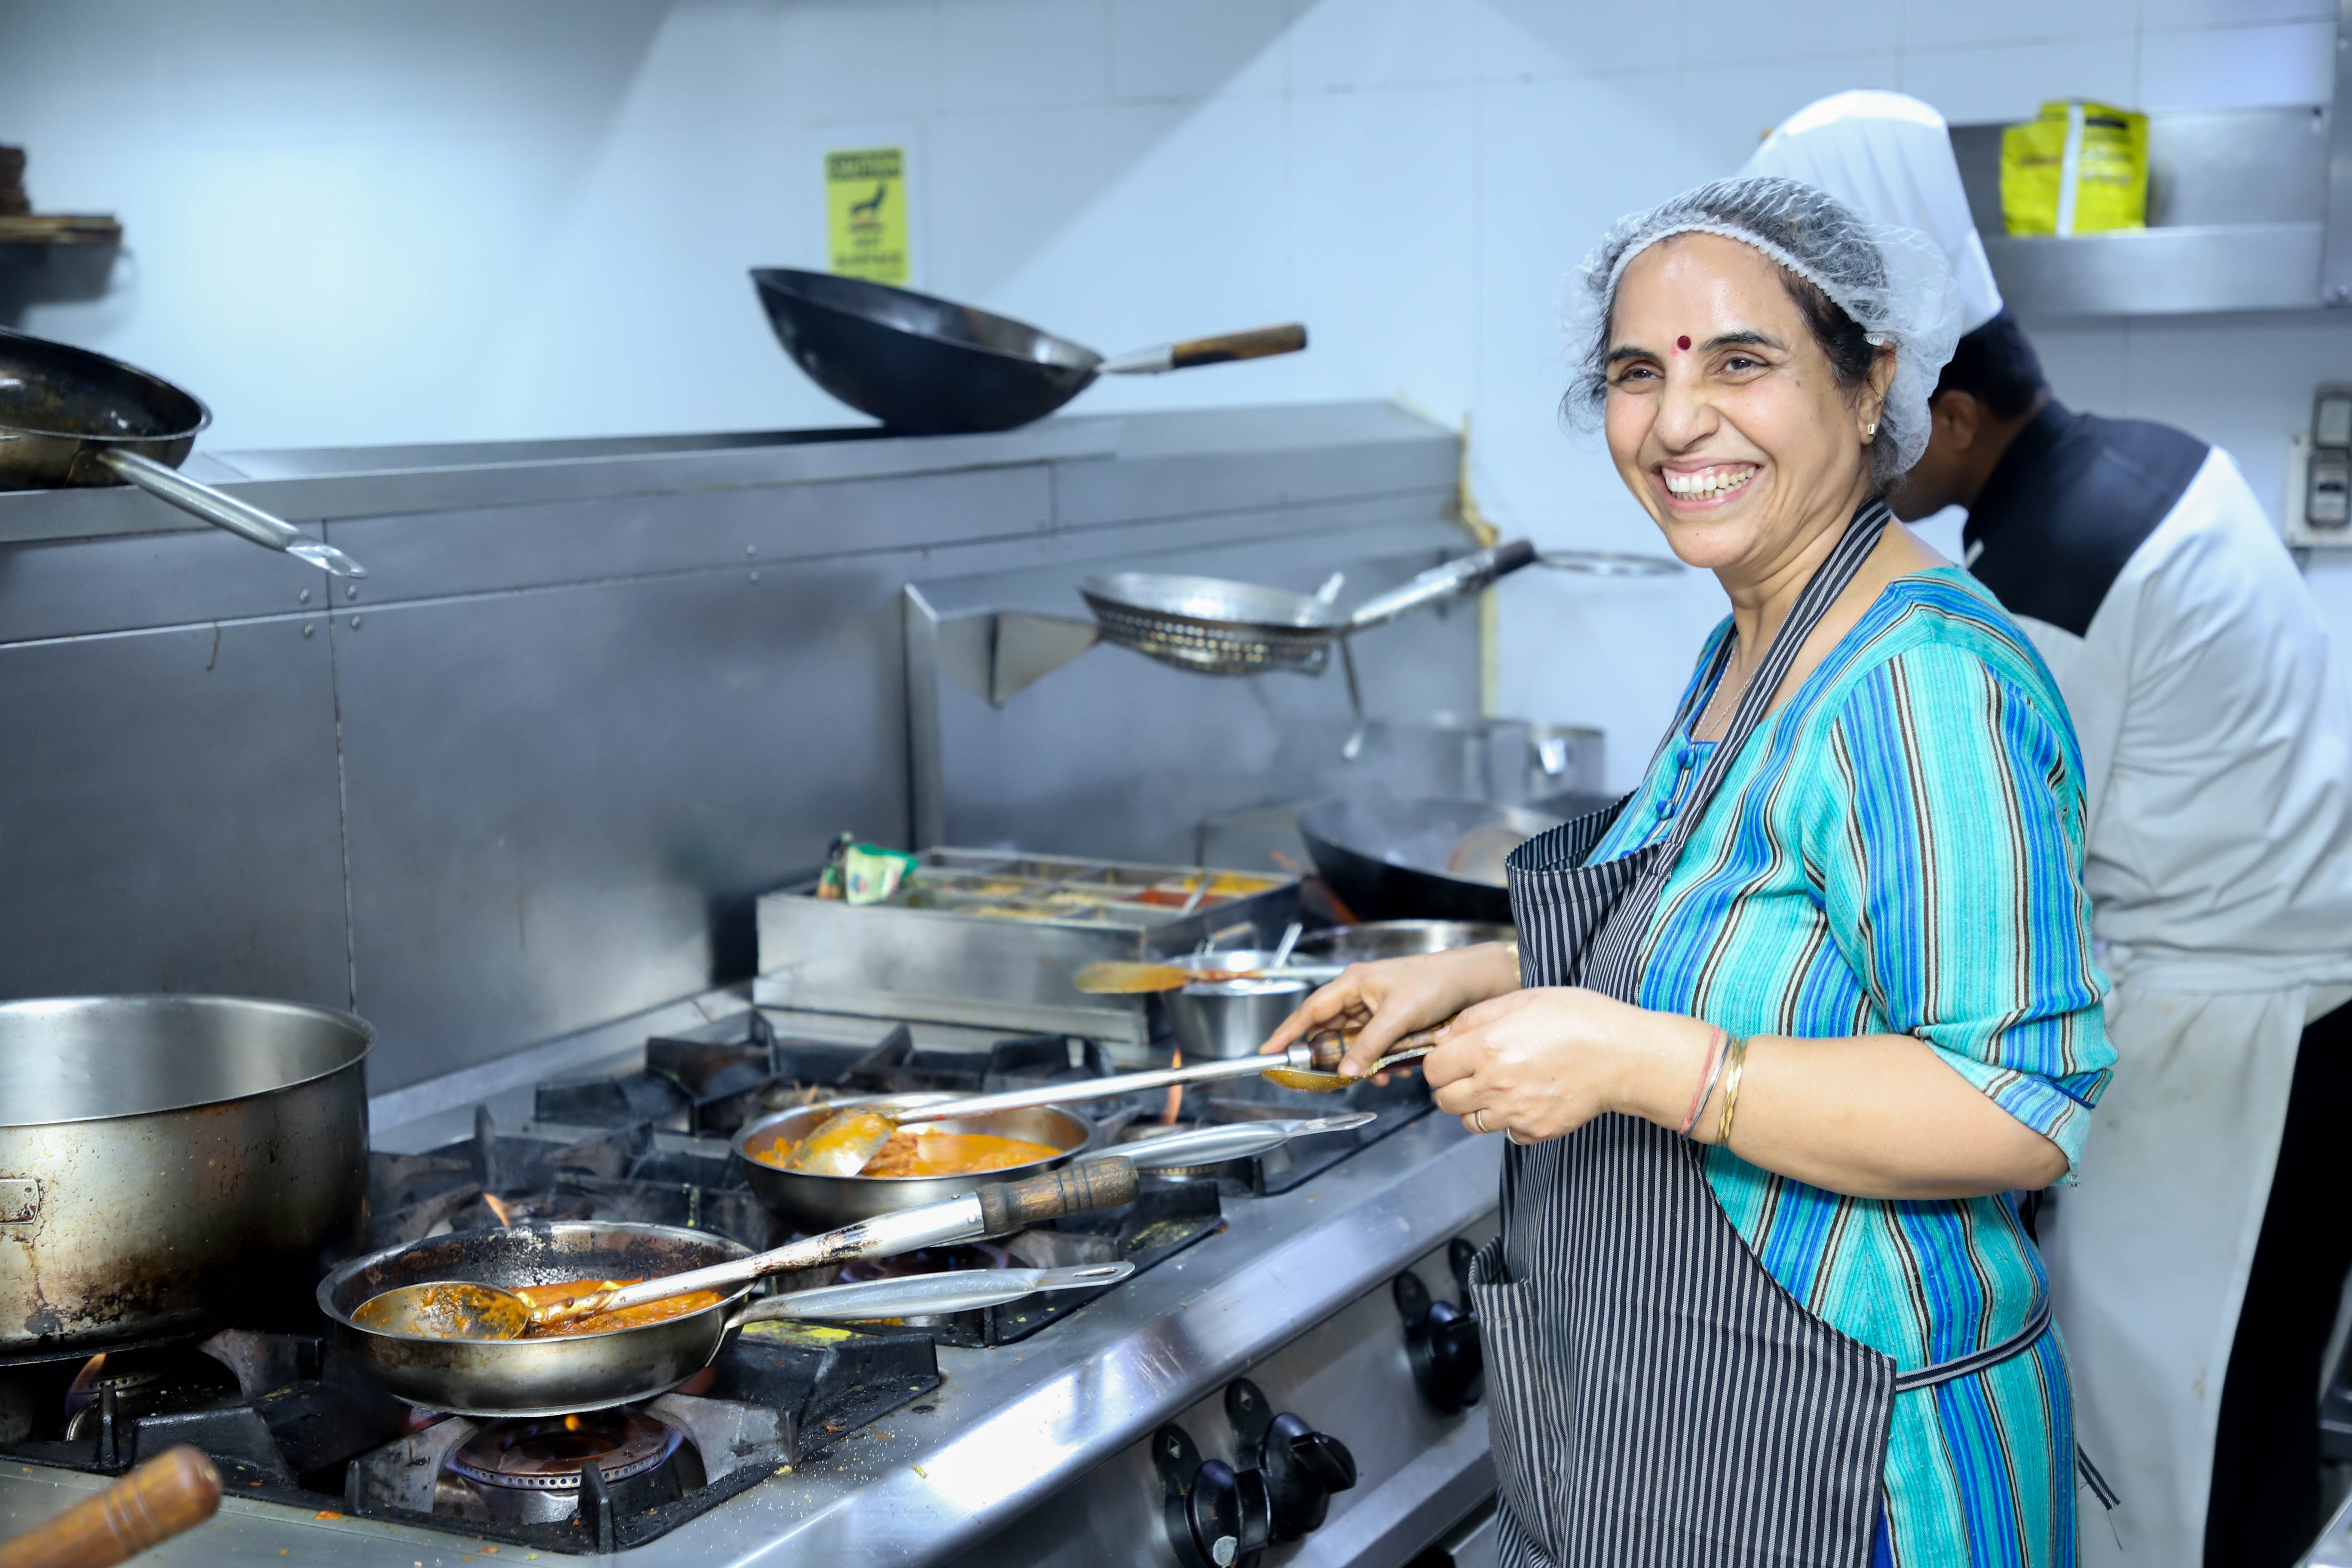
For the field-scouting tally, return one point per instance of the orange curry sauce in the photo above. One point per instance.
(927, 1154)
(602, 1322)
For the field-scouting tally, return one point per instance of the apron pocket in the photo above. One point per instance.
(1524, 1448)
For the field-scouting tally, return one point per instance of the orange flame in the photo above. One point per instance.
(1175, 1094)
(506, 1214)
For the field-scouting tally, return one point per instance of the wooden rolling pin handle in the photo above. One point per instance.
(176, 1490)
(1253, 344)
(1082, 1188)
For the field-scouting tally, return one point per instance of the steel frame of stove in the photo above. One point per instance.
(1043, 1452)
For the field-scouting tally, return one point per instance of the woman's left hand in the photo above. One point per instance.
(1541, 1063)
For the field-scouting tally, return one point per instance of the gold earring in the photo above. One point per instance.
(1869, 431)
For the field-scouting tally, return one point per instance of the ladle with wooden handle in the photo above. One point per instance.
(469, 1310)
(176, 1491)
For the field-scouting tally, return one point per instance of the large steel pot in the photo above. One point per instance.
(818, 1203)
(167, 1162)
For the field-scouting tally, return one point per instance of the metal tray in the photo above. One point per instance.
(992, 938)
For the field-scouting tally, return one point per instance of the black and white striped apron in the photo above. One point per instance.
(1656, 1398)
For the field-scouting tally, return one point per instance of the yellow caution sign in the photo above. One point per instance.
(865, 213)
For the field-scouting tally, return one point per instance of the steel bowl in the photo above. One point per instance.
(1397, 939)
(168, 1163)
(823, 1202)
(1225, 1019)
(550, 1376)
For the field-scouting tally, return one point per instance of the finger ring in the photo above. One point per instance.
(1478, 1119)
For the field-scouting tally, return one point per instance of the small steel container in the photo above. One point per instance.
(1222, 1019)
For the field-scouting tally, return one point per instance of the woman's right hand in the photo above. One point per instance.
(1379, 1003)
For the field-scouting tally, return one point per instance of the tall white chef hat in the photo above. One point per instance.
(1889, 157)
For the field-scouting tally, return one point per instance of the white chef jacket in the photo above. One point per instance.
(2217, 750)
(2215, 730)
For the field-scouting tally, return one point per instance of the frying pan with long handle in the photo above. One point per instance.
(930, 367)
(70, 418)
(555, 1374)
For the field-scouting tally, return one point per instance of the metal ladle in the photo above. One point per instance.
(464, 1310)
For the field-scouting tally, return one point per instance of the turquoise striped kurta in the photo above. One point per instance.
(1899, 850)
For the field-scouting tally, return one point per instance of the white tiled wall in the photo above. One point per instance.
(453, 220)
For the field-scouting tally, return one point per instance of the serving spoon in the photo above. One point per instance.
(469, 1309)
(843, 1143)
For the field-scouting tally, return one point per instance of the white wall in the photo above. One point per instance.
(353, 221)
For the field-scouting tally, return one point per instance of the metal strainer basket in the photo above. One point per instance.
(1213, 627)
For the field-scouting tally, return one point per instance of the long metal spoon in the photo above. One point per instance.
(469, 1309)
(843, 1143)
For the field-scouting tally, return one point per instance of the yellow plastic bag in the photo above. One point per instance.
(2079, 168)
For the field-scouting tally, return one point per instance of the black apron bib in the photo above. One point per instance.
(1656, 1399)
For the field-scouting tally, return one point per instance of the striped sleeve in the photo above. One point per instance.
(1947, 853)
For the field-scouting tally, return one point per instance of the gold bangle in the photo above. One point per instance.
(1731, 1089)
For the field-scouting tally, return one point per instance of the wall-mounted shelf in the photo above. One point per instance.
(2238, 220)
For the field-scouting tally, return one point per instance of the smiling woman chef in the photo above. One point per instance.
(1794, 1021)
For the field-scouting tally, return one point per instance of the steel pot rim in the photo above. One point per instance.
(358, 1026)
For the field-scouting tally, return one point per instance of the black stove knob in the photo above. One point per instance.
(1303, 1467)
(1440, 1340)
(1299, 1467)
(1215, 1518)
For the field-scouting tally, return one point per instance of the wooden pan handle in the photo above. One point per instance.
(176, 1490)
(1082, 1188)
(1255, 345)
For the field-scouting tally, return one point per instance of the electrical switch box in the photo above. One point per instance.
(2319, 473)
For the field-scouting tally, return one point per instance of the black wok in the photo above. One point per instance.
(1388, 859)
(72, 418)
(930, 367)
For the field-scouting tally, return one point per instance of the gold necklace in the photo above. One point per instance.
(1708, 713)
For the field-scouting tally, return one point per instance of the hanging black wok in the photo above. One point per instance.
(1388, 859)
(930, 367)
(69, 419)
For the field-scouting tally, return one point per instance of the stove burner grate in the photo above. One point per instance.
(545, 1453)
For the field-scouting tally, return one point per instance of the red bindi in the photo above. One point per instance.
(1682, 343)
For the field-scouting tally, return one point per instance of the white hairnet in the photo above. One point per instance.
(1892, 282)
(1889, 157)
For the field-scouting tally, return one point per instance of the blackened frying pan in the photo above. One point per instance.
(72, 418)
(932, 367)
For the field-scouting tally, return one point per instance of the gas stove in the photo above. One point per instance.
(1106, 1427)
